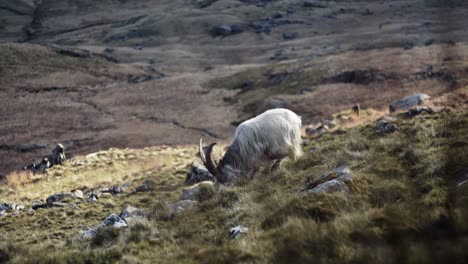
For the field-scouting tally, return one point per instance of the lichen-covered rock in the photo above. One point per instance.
(78, 194)
(59, 196)
(330, 186)
(130, 211)
(331, 181)
(113, 190)
(114, 221)
(147, 186)
(386, 125)
(409, 101)
(199, 192)
(198, 173)
(88, 233)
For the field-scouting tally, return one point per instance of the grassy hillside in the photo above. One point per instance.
(403, 204)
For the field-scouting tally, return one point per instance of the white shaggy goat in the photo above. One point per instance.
(264, 140)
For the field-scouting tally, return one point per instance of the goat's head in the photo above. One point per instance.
(221, 171)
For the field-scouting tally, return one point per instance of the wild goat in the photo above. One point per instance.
(263, 140)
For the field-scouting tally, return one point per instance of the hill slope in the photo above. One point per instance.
(403, 202)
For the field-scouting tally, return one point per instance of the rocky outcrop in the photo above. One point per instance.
(198, 173)
(408, 102)
(331, 181)
(199, 192)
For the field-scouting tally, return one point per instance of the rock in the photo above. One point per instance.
(17, 207)
(313, 149)
(409, 101)
(139, 46)
(4, 208)
(114, 221)
(199, 192)
(148, 185)
(36, 204)
(92, 198)
(59, 196)
(88, 233)
(113, 190)
(385, 125)
(132, 212)
(225, 30)
(109, 50)
(330, 123)
(198, 173)
(78, 194)
(330, 186)
(236, 231)
(181, 205)
(311, 131)
(419, 110)
(331, 181)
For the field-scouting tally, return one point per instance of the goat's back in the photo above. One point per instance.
(273, 134)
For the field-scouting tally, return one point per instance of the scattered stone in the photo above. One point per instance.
(59, 196)
(331, 181)
(109, 50)
(147, 186)
(78, 194)
(419, 110)
(181, 205)
(199, 192)
(311, 131)
(92, 198)
(114, 221)
(113, 190)
(225, 30)
(88, 233)
(330, 123)
(198, 173)
(131, 212)
(385, 125)
(313, 149)
(236, 231)
(409, 101)
(330, 186)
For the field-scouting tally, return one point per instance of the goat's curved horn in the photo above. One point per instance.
(205, 156)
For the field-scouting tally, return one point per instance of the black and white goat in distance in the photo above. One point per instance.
(264, 140)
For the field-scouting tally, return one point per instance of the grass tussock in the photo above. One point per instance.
(402, 207)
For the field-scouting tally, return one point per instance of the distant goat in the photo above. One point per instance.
(264, 140)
